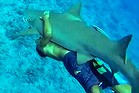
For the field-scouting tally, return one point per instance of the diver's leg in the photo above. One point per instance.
(95, 89)
(82, 73)
(122, 88)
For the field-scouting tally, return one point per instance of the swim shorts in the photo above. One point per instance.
(85, 77)
(107, 78)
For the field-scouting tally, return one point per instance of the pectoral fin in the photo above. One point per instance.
(83, 58)
(27, 32)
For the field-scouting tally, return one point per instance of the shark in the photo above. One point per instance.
(71, 32)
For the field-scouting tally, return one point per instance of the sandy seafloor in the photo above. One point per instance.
(22, 70)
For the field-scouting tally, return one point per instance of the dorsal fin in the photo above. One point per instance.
(75, 9)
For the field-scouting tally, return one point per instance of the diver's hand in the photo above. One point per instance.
(45, 16)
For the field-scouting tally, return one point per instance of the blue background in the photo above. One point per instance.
(22, 70)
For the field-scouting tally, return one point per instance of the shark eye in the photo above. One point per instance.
(29, 19)
(24, 20)
(29, 27)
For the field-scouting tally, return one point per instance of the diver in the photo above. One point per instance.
(84, 73)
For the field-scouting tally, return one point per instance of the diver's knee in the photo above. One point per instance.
(122, 88)
(95, 89)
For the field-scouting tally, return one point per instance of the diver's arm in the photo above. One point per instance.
(47, 30)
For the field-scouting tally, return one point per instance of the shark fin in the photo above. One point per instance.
(83, 58)
(31, 31)
(75, 10)
(123, 44)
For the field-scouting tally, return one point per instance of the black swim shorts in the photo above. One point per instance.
(85, 77)
(107, 78)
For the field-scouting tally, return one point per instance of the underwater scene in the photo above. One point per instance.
(69, 46)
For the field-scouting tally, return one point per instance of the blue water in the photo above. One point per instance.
(22, 70)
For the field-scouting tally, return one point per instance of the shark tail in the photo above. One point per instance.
(123, 44)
